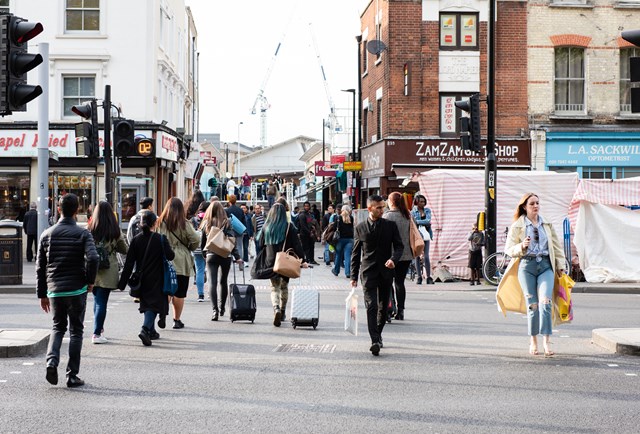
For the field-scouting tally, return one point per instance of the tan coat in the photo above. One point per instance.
(183, 242)
(509, 294)
(108, 278)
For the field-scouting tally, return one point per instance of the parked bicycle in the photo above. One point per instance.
(495, 265)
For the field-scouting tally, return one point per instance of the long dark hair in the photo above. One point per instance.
(173, 215)
(103, 225)
(148, 221)
(194, 202)
(398, 202)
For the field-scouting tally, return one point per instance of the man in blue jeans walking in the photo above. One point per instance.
(66, 269)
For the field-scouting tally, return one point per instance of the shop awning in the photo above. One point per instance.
(404, 171)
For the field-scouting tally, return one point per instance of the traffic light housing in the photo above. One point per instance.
(633, 36)
(16, 62)
(87, 142)
(470, 126)
(145, 147)
(124, 138)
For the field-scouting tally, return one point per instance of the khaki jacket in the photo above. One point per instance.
(108, 278)
(183, 242)
(509, 294)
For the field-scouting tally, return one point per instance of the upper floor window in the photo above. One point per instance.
(4, 6)
(450, 114)
(569, 80)
(76, 90)
(379, 119)
(459, 31)
(569, 2)
(83, 15)
(625, 82)
(365, 57)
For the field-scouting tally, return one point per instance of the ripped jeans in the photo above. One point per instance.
(536, 280)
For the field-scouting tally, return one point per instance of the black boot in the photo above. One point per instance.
(283, 311)
(145, 336)
(215, 315)
(277, 316)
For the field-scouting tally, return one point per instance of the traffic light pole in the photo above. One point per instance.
(490, 161)
(108, 182)
(43, 143)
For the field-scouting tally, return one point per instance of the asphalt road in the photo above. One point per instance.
(454, 365)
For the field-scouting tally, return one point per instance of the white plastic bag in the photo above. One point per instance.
(351, 313)
(425, 233)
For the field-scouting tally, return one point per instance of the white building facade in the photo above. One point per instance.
(146, 51)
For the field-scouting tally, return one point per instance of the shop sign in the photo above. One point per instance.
(352, 165)
(24, 143)
(593, 149)
(323, 168)
(338, 159)
(373, 160)
(168, 149)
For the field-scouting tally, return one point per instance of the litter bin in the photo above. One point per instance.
(10, 252)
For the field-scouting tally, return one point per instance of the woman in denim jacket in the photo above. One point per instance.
(422, 216)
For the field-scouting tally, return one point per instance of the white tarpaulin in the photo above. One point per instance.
(607, 239)
(456, 196)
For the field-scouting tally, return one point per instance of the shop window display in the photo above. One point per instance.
(14, 196)
(79, 184)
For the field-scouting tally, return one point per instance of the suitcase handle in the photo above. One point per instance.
(233, 265)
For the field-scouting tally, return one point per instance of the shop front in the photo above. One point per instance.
(388, 163)
(594, 154)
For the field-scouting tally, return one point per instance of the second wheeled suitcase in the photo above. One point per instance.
(242, 300)
(305, 307)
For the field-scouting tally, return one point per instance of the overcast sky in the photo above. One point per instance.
(237, 40)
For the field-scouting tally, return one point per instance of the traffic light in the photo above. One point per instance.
(145, 147)
(87, 142)
(15, 62)
(123, 137)
(470, 126)
(633, 36)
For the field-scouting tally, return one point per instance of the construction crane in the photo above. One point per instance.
(332, 122)
(261, 101)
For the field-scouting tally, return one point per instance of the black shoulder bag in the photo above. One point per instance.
(135, 282)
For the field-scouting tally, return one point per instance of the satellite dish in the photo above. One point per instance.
(376, 47)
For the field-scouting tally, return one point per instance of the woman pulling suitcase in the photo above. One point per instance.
(216, 217)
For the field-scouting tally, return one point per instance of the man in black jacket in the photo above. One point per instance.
(66, 269)
(30, 228)
(379, 242)
(309, 234)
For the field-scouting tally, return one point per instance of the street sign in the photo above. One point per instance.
(352, 165)
(338, 159)
(323, 168)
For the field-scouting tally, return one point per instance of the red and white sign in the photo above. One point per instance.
(168, 148)
(338, 159)
(24, 143)
(322, 168)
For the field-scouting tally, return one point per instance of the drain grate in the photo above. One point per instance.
(304, 348)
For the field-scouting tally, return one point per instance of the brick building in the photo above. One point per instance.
(578, 87)
(434, 53)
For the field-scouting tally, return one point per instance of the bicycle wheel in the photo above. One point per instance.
(494, 267)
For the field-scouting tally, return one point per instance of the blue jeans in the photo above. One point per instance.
(343, 254)
(200, 265)
(536, 280)
(327, 254)
(100, 300)
(67, 311)
(149, 320)
(245, 248)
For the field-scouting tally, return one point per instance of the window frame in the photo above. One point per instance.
(99, 9)
(459, 96)
(458, 32)
(365, 125)
(569, 80)
(80, 98)
(379, 119)
(625, 84)
(5, 8)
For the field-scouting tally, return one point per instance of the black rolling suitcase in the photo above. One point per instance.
(243, 300)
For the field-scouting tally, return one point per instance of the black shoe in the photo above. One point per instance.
(74, 381)
(472, 283)
(200, 298)
(478, 282)
(214, 317)
(430, 281)
(375, 349)
(154, 335)
(52, 375)
(177, 324)
(335, 273)
(314, 263)
(162, 321)
(145, 337)
(419, 282)
(277, 316)
(221, 310)
(400, 315)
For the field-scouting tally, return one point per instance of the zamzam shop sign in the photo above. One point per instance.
(24, 143)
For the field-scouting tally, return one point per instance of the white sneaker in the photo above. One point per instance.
(99, 339)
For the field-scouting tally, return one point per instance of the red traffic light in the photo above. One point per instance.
(83, 110)
(632, 36)
(22, 31)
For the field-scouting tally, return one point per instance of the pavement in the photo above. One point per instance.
(21, 342)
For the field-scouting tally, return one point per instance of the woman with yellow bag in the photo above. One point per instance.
(528, 283)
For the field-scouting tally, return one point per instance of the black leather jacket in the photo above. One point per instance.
(67, 258)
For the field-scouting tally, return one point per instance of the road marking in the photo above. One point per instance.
(631, 375)
(612, 365)
(15, 372)
(3, 381)
(28, 364)
(564, 336)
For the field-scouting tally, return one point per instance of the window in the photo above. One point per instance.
(365, 58)
(405, 75)
(83, 15)
(459, 31)
(569, 80)
(76, 91)
(4, 6)
(569, 2)
(379, 37)
(597, 173)
(379, 119)
(450, 114)
(625, 82)
(365, 125)
(628, 172)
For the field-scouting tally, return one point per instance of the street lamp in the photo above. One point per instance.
(238, 165)
(353, 143)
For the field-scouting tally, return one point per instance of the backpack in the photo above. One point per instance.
(103, 256)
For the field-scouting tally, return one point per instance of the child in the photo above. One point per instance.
(476, 241)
